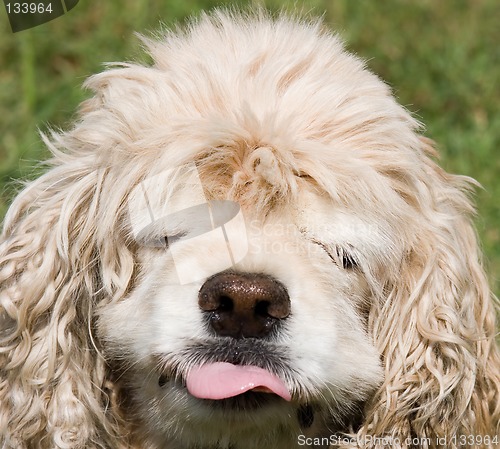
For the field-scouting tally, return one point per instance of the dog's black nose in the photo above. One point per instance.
(243, 305)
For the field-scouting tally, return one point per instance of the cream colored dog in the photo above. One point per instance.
(245, 245)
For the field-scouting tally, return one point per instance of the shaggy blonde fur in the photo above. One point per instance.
(277, 117)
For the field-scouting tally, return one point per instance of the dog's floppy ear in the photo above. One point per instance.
(436, 328)
(51, 374)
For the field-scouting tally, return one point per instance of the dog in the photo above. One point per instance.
(246, 244)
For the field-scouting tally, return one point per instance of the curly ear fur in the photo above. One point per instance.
(65, 252)
(441, 360)
(53, 379)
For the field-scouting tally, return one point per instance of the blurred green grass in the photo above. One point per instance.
(441, 58)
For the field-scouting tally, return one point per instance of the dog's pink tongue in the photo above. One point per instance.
(225, 380)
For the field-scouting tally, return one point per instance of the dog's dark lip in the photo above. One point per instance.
(250, 400)
(162, 381)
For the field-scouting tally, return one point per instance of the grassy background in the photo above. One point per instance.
(441, 57)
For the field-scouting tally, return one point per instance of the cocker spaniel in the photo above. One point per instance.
(246, 244)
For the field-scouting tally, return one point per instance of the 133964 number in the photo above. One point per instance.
(28, 8)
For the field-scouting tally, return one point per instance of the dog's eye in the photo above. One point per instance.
(346, 259)
(339, 255)
(172, 238)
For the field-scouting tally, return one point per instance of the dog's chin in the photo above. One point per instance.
(203, 423)
(235, 419)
